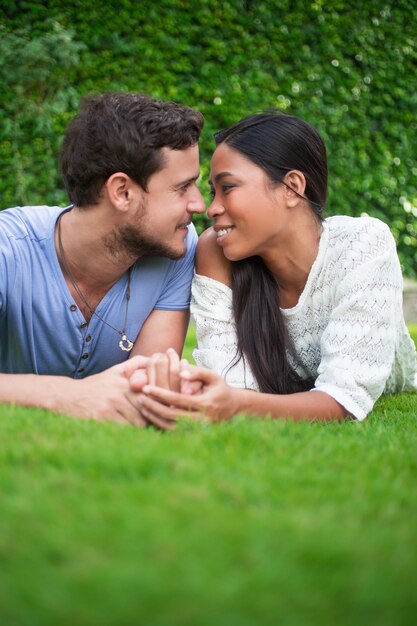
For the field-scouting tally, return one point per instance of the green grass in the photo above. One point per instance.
(190, 343)
(413, 331)
(252, 522)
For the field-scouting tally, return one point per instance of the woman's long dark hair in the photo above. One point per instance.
(278, 143)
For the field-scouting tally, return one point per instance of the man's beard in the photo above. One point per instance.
(127, 240)
(132, 241)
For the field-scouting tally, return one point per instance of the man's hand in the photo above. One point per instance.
(107, 396)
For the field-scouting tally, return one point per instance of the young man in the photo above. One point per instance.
(79, 286)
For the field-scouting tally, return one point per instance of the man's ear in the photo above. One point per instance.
(121, 191)
(295, 186)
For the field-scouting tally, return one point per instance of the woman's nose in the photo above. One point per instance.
(215, 208)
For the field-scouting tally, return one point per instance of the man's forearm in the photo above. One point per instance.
(104, 396)
(48, 392)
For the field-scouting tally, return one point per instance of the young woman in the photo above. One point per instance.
(305, 310)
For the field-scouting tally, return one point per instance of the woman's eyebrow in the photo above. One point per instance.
(219, 176)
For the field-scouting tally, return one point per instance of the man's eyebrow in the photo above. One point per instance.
(192, 179)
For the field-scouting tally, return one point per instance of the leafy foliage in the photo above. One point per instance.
(348, 68)
(36, 101)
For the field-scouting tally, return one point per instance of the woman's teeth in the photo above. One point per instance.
(224, 231)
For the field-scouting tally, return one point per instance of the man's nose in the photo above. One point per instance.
(196, 204)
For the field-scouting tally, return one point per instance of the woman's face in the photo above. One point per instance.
(250, 215)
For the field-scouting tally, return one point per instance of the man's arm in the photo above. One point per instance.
(105, 397)
(162, 330)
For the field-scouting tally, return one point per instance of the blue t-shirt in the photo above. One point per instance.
(41, 329)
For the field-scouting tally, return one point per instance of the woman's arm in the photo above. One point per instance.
(212, 310)
(218, 401)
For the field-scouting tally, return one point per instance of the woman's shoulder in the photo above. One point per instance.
(365, 234)
(210, 260)
(365, 225)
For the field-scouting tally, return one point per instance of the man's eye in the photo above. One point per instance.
(185, 188)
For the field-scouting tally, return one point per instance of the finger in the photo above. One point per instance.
(174, 369)
(186, 388)
(194, 372)
(162, 372)
(158, 370)
(191, 387)
(157, 421)
(150, 370)
(168, 413)
(158, 409)
(116, 417)
(128, 367)
(169, 398)
(133, 419)
(130, 411)
(138, 380)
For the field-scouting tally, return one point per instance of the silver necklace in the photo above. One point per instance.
(124, 344)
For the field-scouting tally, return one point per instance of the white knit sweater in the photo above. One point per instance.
(347, 329)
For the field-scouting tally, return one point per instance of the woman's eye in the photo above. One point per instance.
(223, 189)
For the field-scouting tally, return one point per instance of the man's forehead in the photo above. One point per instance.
(177, 168)
(185, 154)
(181, 163)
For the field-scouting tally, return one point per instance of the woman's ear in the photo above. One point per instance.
(295, 186)
(121, 191)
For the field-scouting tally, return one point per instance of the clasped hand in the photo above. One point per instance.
(169, 388)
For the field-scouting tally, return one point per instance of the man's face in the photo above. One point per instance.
(160, 224)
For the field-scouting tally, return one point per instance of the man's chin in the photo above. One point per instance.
(176, 255)
(136, 244)
(168, 252)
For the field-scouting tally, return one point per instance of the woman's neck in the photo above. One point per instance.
(291, 261)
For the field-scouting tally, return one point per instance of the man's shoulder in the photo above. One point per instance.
(27, 221)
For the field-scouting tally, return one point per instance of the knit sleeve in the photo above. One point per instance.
(212, 310)
(358, 343)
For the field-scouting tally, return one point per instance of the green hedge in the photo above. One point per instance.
(348, 68)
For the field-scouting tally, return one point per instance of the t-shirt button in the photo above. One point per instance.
(88, 338)
(85, 356)
(73, 307)
(80, 371)
(83, 325)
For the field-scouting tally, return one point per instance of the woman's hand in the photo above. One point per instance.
(216, 401)
(162, 370)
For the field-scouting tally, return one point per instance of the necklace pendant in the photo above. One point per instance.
(125, 344)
